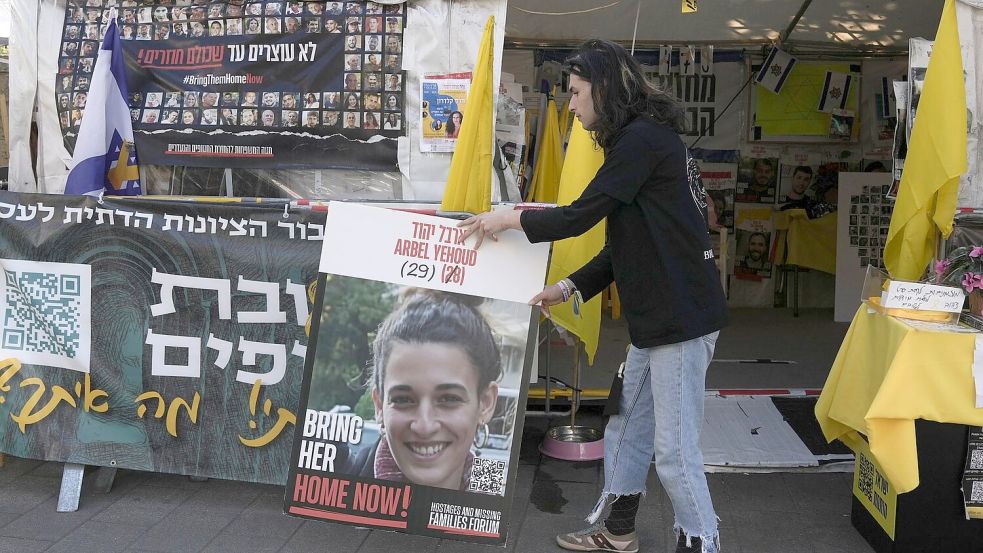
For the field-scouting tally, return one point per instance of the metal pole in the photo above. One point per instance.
(795, 21)
(576, 384)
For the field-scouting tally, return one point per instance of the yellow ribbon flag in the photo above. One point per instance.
(549, 160)
(582, 162)
(564, 120)
(469, 180)
(936, 158)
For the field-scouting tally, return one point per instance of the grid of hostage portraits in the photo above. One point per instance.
(870, 219)
(369, 96)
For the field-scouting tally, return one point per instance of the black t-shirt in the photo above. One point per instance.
(658, 249)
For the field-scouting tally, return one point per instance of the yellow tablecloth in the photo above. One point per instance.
(811, 243)
(886, 375)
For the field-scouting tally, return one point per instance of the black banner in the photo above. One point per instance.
(282, 84)
(154, 335)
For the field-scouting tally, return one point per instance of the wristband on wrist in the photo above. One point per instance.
(564, 289)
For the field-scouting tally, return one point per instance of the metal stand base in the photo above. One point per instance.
(71, 485)
(105, 477)
(71, 488)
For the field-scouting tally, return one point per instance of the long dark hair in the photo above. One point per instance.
(620, 90)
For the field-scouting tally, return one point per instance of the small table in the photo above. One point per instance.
(887, 375)
(809, 244)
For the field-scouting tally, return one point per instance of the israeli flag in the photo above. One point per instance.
(105, 159)
(836, 91)
(775, 70)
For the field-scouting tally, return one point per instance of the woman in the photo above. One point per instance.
(351, 101)
(434, 386)
(659, 254)
(228, 117)
(392, 102)
(371, 121)
(454, 124)
(392, 122)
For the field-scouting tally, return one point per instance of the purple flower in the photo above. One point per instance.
(976, 252)
(970, 281)
(940, 269)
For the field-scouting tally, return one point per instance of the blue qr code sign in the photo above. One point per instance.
(46, 313)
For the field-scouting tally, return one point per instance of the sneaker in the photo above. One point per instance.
(695, 544)
(598, 539)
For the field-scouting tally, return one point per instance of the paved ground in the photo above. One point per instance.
(145, 512)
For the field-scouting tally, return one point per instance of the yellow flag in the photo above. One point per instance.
(564, 121)
(549, 160)
(582, 162)
(936, 158)
(469, 180)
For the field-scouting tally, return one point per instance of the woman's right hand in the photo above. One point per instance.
(551, 295)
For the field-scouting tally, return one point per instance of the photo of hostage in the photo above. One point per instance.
(752, 252)
(433, 369)
(757, 179)
(798, 183)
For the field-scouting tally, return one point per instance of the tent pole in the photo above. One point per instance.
(795, 21)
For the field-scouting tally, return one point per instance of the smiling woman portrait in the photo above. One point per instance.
(434, 387)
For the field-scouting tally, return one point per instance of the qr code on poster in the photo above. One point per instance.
(977, 494)
(976, 459)
(487, 476)
(865, 476)
(46, 313)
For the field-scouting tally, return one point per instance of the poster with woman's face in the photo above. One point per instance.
(414, 392)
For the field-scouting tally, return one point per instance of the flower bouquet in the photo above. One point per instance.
(963, 267)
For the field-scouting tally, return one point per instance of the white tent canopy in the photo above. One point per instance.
(833, 23)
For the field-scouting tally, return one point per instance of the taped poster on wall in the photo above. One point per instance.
(443, 98)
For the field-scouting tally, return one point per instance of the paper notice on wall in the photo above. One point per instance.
(755, 236)
(799, 171)
(720, 182)
(757, 176)
(443, 98)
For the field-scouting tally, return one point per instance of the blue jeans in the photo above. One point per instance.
(661, 416)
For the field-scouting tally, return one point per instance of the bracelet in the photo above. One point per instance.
(564, 289)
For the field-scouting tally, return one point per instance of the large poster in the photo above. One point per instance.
(154, 335)
(283, 84)
(705, 97)
(412, 420)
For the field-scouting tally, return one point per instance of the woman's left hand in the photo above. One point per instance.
(490, 223)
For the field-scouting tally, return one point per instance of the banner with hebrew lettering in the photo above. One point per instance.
(281, 84)
(416, 379)
(154, 335)
(714, 101)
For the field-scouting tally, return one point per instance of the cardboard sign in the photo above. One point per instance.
(872, 487)
(416, 377)
(923, 297)
(421, 250)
